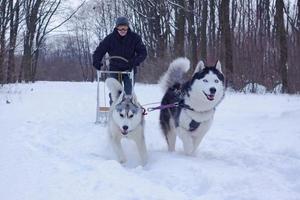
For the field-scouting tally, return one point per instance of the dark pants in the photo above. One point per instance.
(125, 80)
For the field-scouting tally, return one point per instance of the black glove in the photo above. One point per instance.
(97, 66)
(131, 64)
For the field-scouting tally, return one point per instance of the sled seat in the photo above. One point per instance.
(102, 117)
(103, 109)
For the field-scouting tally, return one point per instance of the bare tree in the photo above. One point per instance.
(4, 20)
(45, 14)
(212, 31)
(226, 39)
(31, 8)
(179, 28)
(14, 24)
(82, 46)
(281, 38)
(203, 35)
(298, 24)
(192, 32)
(38, 18)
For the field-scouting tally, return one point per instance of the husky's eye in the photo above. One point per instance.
(205, 80)
(130, 116)
(121, 115)
(216, 81)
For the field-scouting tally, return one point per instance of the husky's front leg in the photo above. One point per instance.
(187, 141)
(116, 144)
(141, 146)
(171, 136)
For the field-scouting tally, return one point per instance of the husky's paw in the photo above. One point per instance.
(171, 148)
(144, 161)
(188, 149)
(190, 153)
(122, 160)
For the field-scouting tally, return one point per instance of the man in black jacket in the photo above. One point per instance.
(125, 43)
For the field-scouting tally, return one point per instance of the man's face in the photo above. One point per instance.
(122, 30)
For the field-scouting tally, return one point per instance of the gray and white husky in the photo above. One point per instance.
(195, 100)
(126, 120)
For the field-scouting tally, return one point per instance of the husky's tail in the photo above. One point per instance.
(115, 88)
(175, 73)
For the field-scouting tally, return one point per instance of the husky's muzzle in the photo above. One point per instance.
(124, 130)
(211, 96)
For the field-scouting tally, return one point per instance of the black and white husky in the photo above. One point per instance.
(126, 120)
(195, 100)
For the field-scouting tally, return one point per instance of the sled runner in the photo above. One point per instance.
(103, 106)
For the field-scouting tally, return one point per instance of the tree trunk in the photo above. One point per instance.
(267, 18)
(179, 29)
(281, 40)
(160, 48)
(14, 24)
(226, 40)
(31, 23)
(212, 31)
(3, 24)
(298, 24)
(192, 33)
(203, 36)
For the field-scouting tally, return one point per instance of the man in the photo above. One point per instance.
(125, 43)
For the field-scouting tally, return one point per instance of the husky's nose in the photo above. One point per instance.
(125, 128)
(212, 90)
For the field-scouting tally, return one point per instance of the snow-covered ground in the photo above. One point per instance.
(50, 149)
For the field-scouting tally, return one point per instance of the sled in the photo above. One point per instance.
(102, 107)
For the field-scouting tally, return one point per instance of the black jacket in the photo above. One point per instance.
(129, 46)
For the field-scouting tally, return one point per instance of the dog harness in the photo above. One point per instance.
(194, 125)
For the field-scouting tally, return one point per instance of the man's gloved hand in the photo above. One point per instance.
(131, 64)
(97, 66)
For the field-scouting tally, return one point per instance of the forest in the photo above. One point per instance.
(257, 41)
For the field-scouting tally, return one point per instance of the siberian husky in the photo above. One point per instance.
(126, 120)
(194, 102)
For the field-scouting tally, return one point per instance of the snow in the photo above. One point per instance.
(51, 149)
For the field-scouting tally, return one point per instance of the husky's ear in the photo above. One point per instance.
(120, 98)
(115, 88)
(134, 98)
(200, 66)
(218, 66)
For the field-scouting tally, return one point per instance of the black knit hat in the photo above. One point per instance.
(122, 21)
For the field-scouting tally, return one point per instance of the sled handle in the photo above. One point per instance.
(113, 57)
